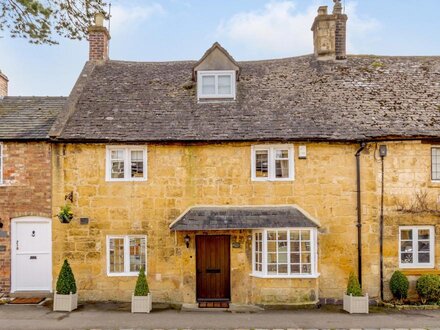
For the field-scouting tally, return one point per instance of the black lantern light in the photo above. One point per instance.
(187, 239)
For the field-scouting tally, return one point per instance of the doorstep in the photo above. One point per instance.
(233, 308)
(31, 294)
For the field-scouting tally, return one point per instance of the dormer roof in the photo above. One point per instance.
(216, 58)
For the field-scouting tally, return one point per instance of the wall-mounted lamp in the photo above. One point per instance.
(187, 239)
(69, 197)
(1, 224)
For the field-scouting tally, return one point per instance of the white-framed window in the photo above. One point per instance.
(272, 163)
(1, 163)
(435, 163)
(416, 247)
(126, 254)
(284, 253)
(216, 84)
(126, 163)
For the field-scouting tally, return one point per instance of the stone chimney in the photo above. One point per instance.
(329, 33)
(3, 85)
(98, 39)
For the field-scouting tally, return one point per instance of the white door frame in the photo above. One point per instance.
(13, 240)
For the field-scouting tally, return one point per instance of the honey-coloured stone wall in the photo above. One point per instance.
(185, 175)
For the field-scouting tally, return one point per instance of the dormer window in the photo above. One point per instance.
(216, 84)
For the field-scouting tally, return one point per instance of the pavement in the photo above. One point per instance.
(118, 316)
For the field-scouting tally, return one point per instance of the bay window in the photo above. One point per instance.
(289, 252)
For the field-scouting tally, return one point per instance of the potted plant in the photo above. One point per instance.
(354, 301)
(65, 215)
(65, 297)
(141, 301)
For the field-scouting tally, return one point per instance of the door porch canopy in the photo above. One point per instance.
(242, 217)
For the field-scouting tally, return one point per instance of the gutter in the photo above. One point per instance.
(359, 210)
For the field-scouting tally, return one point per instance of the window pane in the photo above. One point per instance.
(272, 269)
(424, 246)
(294, 246)
(281, 154)
(224, 84)
(423, 233)
(305, 235)
(406, 258)
(271, 235)
(294, 235)
(306, 269)
(282, 235)
(116, 250)
(282, 258)
(294, 269)
(282, 168)
(406, 234)
(423, 258)
(305, 258)
(208, 85)
(137, 164)
(282, 269)
(272, 258)
(261, 163)
(435, 154)
(117, 164)
(137, 254)
(406, 246)
(295, 258)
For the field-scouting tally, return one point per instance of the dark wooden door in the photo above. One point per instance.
(213, 268)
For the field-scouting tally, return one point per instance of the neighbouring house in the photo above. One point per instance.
(25, 191)
(256, 182)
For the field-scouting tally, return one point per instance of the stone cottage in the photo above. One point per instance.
(257, 182)
(25, 190)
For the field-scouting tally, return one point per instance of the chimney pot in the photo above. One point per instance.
(322, 10)
(99, 19)
(337, 8)
(3, 85)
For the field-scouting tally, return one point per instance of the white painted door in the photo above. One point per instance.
(31, 254)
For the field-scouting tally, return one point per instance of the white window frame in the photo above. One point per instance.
(127, 161)
(415, 252)
(126, 254)
(313, 254)
(432, 164)
(200, 74)
(1, 163)
(271, 176)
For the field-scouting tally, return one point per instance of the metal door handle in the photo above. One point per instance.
(16, 243)
(33, 258)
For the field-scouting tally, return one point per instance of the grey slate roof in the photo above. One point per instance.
(217, 218)
(365, 98)
(28, 118)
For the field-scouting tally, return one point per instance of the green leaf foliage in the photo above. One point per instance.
(40, 21)
(141, 288)
(353, 287)
(66, 281)
(399, 285)
(428, 288)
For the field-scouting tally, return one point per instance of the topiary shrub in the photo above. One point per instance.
(66, 281)
(141, 288)
(428, 288)
(353, 286)
(399, 285)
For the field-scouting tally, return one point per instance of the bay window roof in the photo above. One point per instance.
(243, 217)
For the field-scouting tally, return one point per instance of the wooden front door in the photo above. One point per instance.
(213, 268)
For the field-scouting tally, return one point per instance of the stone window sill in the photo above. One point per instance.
(420, 271)
(309, 276)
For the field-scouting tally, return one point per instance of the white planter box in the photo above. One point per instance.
(141, 304)
(64, 302)
(356, 304)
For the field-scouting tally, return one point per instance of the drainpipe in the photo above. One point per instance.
(359, 210)
(382, 153)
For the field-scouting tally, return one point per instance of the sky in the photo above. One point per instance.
(143, 30)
